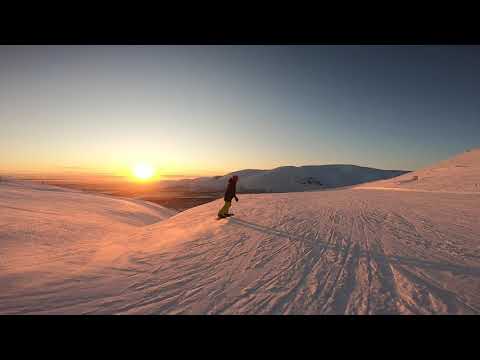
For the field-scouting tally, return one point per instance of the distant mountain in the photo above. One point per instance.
(288, 178)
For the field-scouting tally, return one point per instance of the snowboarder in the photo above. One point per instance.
(230, 194)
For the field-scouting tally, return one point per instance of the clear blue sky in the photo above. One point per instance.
(213, 109)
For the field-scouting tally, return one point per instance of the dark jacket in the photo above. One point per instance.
(231, 191)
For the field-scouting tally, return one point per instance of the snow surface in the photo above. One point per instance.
(348, 251)
(288, 178)
(458, 174)
(52, 239)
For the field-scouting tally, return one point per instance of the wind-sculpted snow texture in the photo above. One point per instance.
(55, 243)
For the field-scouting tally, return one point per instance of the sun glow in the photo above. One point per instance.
(143, 171)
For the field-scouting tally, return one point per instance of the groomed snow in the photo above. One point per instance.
(345, 251)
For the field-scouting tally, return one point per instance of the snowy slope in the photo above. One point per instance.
(50, 235)
(332, 252)
(329, 252)
(288, 178)
(461, 173)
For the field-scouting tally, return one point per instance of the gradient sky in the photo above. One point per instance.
(212, 109)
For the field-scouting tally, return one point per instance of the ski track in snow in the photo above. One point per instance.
(329, 252)
(343, 253)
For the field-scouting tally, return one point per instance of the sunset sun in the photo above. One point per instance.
(143, 171)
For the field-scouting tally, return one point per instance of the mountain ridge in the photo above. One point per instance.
(288, 178)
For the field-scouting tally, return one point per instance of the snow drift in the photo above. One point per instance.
(288, 178)
(328, 252)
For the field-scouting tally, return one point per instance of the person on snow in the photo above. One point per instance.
(230, 193)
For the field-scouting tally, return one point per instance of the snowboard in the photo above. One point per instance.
(224, 217)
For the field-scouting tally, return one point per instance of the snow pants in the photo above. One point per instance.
(224, 210)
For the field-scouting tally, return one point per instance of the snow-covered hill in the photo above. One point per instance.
(52, 240)
(288, 178)
(461, 173)
(328, 252)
